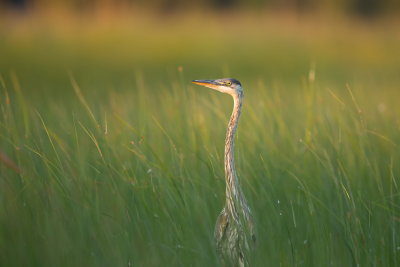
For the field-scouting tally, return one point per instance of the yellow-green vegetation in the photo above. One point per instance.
(119, 159)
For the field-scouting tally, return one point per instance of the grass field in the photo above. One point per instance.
(119, 159)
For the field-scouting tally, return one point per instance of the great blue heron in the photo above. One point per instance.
(234, 230)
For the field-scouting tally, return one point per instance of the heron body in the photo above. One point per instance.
(234, 230)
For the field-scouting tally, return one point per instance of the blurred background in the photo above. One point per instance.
(342, 39)
(109, 156)
(366, 8)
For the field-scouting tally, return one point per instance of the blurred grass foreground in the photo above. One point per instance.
(110, 157)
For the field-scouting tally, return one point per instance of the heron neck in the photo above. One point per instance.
(233, 193)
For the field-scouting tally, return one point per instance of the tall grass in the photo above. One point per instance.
(127, 169)
(136, 177)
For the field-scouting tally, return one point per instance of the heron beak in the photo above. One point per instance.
(207, 83)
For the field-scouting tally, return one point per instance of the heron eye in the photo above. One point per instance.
(228, 83)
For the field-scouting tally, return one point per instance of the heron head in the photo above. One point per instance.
(226, 85)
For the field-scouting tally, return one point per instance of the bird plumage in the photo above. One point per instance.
(234, 229)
